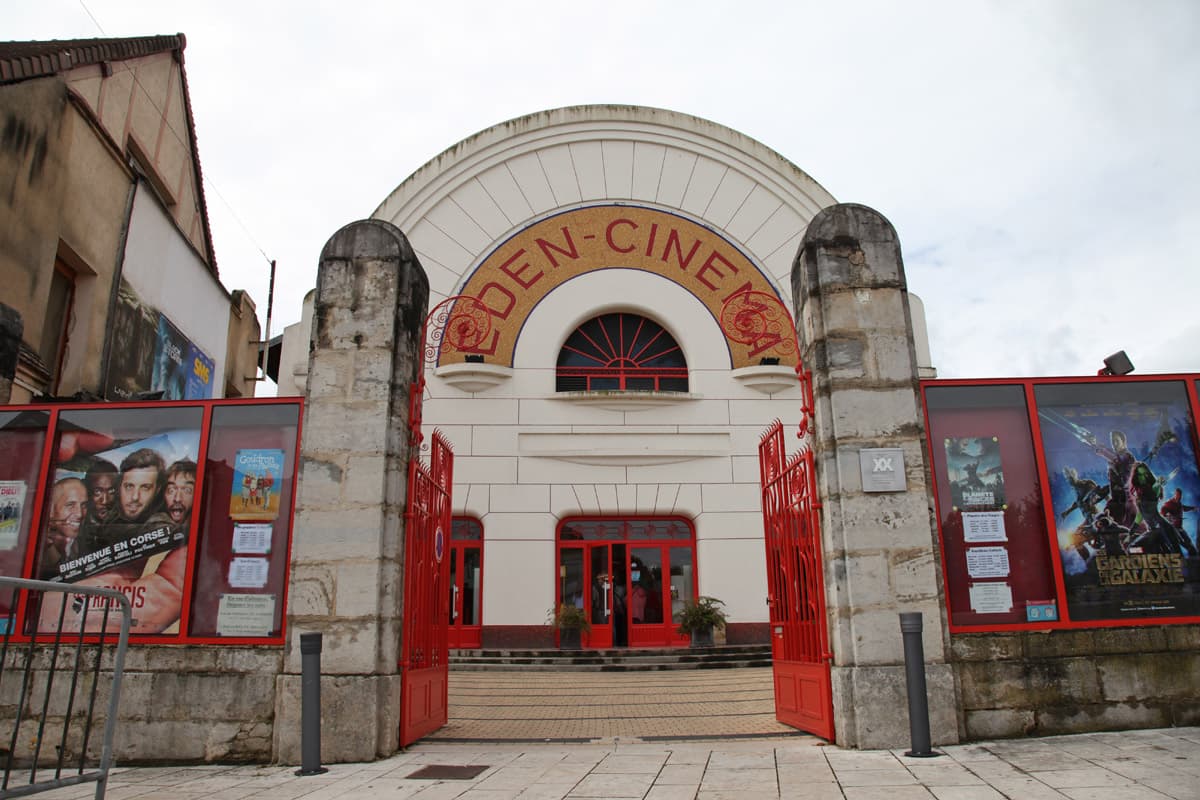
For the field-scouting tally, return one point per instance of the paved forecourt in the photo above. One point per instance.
(524, 705)
(1128, 765)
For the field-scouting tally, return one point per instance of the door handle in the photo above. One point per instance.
(607, 600)
(454, 604)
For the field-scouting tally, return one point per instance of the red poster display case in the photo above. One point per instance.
(184, 507)
(1066, 502)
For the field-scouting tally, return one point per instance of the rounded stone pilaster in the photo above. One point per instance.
(880, 552)
(347, 555)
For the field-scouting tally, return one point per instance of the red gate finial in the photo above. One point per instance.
(759, 319)
(461, 323)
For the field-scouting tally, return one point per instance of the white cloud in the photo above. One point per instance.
(1037, 159)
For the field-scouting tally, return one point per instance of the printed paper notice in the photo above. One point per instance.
(984, 526)
(252, 537)
(246, 615)
(991, 598)
(987, 562)
(12, 506)
(249, 573)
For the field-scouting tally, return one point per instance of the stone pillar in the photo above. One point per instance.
(11, 329)
(347, 540)
(880, 551)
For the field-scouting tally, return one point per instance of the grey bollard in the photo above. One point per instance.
(914, 674)
(310, 705)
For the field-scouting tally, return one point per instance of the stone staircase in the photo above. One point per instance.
(614, 660)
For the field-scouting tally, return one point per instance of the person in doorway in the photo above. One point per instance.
(638, 596)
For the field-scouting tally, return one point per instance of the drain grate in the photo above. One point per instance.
(448, 772)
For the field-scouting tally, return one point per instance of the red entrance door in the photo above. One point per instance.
(466, 583)
(424, 652)
(630, 574)
(796, 590)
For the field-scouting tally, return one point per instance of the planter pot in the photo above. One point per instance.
(569, 639)
(702, 637)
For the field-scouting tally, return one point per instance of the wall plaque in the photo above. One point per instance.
(882, 469)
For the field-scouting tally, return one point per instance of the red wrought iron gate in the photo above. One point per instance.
(795, 586)
(457, 323)
(424, 651)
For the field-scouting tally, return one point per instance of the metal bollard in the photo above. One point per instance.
(914, 674)
(310, 705)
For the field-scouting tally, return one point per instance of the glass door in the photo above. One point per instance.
(466, 583)
(466, 562)
(586, 580)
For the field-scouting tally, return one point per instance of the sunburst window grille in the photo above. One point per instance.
(621, 352)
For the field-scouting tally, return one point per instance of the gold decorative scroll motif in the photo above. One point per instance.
(518, 274)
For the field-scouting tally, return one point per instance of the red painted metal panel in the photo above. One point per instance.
(795, 587)
(424, 653)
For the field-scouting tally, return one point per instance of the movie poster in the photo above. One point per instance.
(12, 509)
(1124, 488)
(256, 484)
(976, 477)
(150, 355)
(169, 375)
(117, 515)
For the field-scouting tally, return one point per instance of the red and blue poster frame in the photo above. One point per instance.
(1044, 466)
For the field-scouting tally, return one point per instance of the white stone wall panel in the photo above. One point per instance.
(527, 171)
(676, 174)
(502, 187)
(588, 161)
(449, 218)
(718, 497)
(433, 243)
(553, 470)
(728, 199)
(526, 498)
(618, 169)
(753, 213)
(482, 208)
(492, 469)
(559, 170)
(528, 596)
(647, 170)
(705, 179)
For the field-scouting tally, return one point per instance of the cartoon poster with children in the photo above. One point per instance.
(256, 482)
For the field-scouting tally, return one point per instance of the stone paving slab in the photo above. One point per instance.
(1152, 765)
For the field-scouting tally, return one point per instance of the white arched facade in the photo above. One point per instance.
(528, 457)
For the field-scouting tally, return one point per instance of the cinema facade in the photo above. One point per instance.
(606, 425)
(593, 308)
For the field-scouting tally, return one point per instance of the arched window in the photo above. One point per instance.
(623, 352)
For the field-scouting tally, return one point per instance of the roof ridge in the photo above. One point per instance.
(21, 61)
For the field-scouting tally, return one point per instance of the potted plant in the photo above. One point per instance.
(698, 618)
(571, 622)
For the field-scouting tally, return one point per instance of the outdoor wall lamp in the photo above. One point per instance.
(1117, 364)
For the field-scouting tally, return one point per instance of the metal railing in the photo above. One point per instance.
(33, 672)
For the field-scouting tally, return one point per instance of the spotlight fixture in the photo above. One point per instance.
(1117, 364)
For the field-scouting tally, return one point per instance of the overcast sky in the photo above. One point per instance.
(1039, 159)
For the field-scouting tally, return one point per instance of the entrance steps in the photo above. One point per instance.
(632, 659)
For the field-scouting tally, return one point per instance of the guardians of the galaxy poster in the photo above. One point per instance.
(1125, 488)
